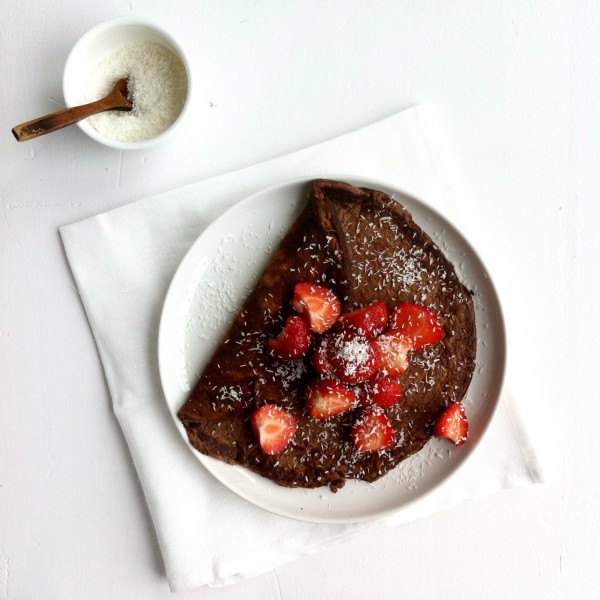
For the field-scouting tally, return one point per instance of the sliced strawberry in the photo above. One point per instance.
(334, 357)
(381, 391)
(393, 349)
(373, 432)
(292, 342)
(318, 305)
(369, 321)
(418, 323)
(328, 397)
(352, 357)
(320, 359)
(452, 424)
(273, 427)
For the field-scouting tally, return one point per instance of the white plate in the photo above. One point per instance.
(211, 284)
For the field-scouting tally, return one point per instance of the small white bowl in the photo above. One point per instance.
(101, 41)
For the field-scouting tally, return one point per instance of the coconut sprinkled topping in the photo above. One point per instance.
(290, 371)
(230, 394)
(353, 352)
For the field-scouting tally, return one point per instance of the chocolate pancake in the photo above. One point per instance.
(365, 247)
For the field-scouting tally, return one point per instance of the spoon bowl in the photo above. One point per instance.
(99, 43)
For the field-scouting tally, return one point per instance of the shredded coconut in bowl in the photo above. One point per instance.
(157, 84)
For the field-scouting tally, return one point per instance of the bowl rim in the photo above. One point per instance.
(101, 28)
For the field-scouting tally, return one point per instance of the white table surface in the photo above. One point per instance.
(518, 85)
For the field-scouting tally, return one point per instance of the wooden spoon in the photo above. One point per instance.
(116, 100)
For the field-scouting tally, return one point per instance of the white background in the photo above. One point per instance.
(518, 86)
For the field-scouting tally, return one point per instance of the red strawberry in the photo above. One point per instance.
(320, 359)
(392, 351)
(318, 305)
(381, 391)
(352, 357)
(368, 321)
(328, 397)
(373, 432)
(417, 323)
(273, 427)
(452, 424)
(293, 341)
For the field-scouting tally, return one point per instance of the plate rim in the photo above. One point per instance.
(395, 192)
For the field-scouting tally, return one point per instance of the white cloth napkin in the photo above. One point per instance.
(123, 262)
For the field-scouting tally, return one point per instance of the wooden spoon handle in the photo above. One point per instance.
(62, 118)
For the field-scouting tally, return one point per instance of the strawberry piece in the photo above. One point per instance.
(318, 305)
(452, 424)
(373, 432)
(393, 349)
(369, 321)
(328, 397)
(273, 427)
(352, 357)
(320, 359)
(380, 391)
(417, 323)
(292, 342)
